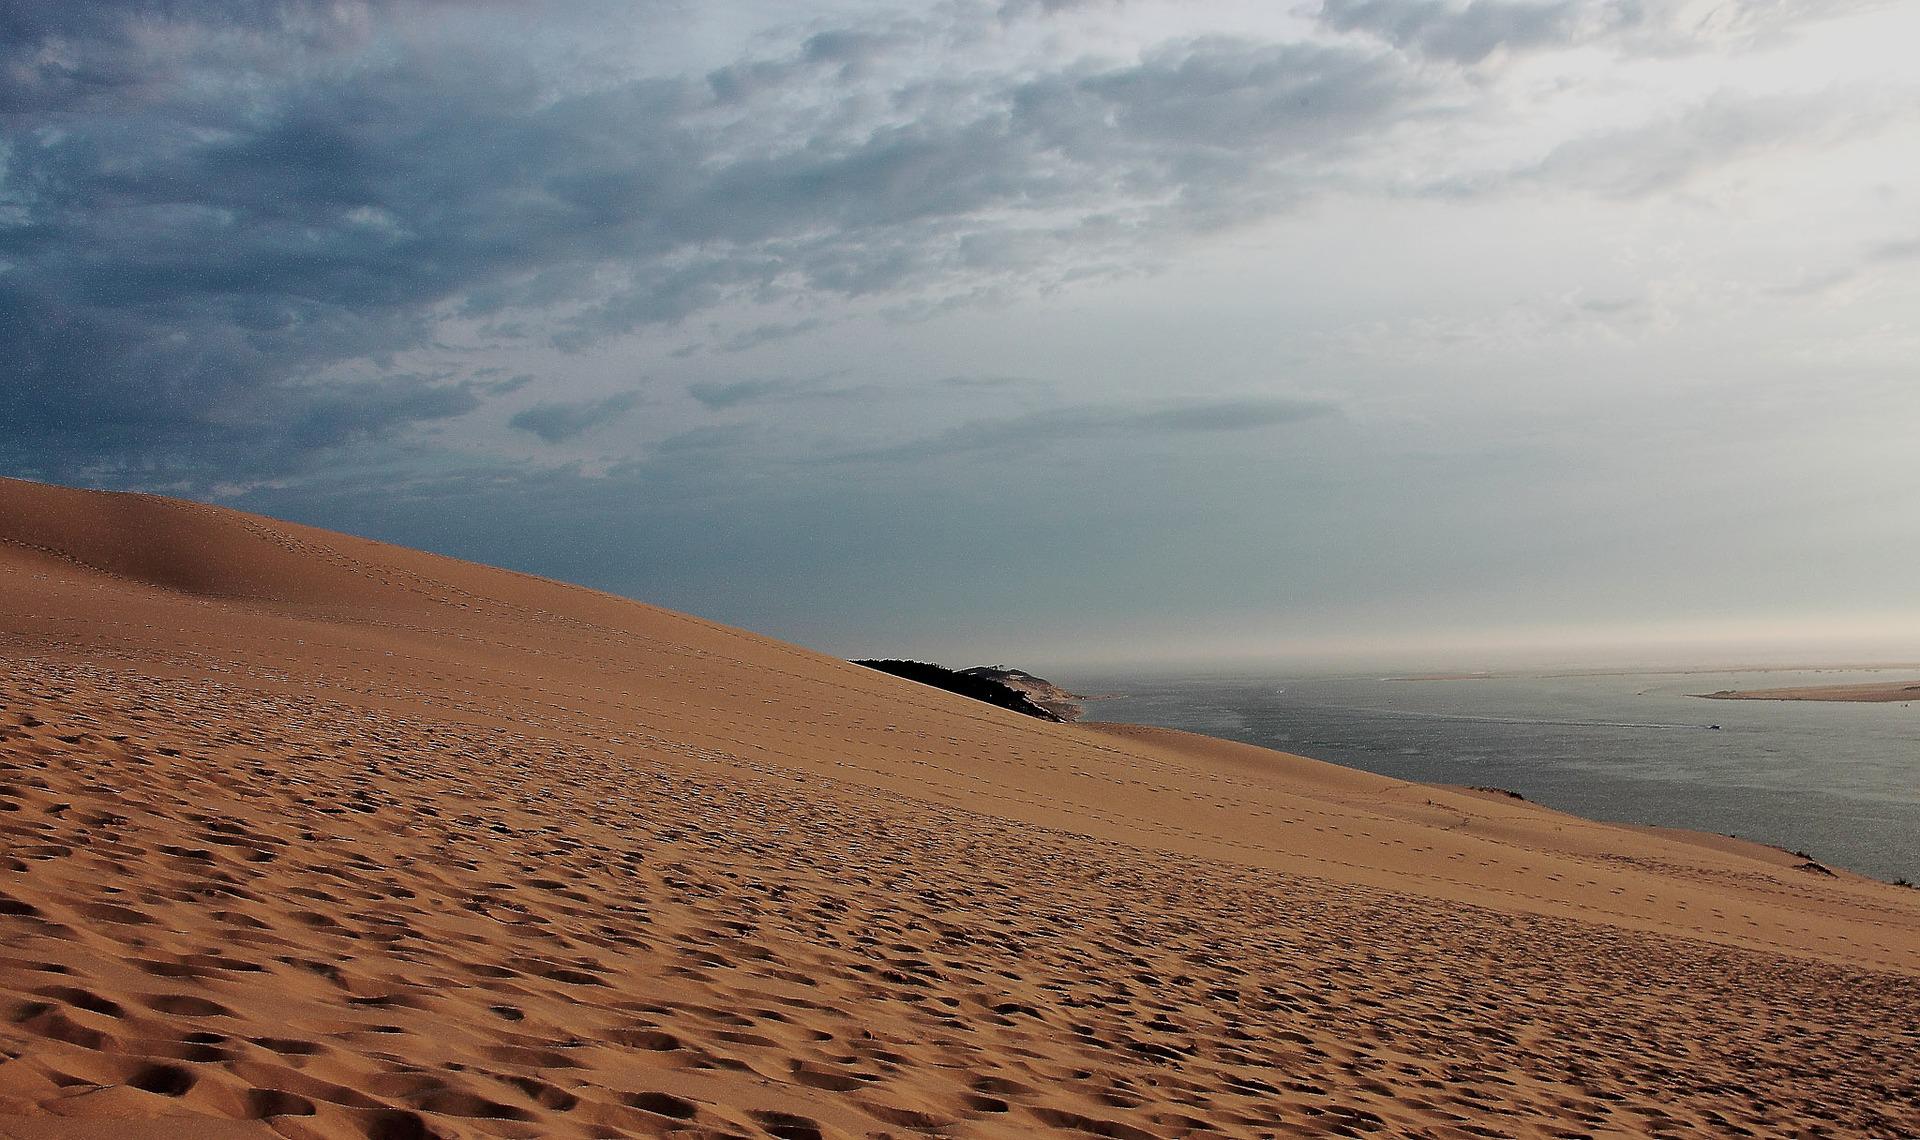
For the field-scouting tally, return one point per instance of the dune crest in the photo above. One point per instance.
(303, 835)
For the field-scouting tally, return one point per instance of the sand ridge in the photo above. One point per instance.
(341, 840)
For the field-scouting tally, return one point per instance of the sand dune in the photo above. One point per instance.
(307, 836)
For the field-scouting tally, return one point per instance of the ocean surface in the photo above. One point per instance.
(1838, 781)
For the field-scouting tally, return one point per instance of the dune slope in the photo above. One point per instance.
(307, 836)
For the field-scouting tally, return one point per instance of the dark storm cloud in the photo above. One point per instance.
(200, 275)
(558, 422)
(1037, 430)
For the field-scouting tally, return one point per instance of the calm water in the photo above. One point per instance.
(1840, 781)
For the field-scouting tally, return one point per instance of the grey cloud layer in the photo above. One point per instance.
(227, 230)
(1662, 155)
(188, 270)
(1470, 32)
(1015, 434)
(56, 57)
(558, 422)
(943, 317)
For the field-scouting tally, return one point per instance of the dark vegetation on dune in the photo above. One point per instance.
(1060, 702)
(965, 684)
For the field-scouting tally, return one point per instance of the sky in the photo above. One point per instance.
(1048, 332)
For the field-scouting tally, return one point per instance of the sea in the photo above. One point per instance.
(1838, 781)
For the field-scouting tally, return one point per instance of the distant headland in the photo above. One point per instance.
(1012, 689)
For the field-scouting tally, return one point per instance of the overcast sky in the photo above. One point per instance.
(1036, 331)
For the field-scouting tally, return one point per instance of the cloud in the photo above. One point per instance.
(1043, 429)
(772, 331)
(1835, 280)
(490, 382)
(207, 207)
(1907, 250)
(1191, 118)
(73, 56)
(718, 396)
(348, 413)
(1679, 25)
(1025, 9)
(990, 382)
(1666, 154)
(1813, 284)
(722, 395)
(558, 423)
(1471, 33)
(221, 224)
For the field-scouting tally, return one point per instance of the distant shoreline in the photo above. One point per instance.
(1690, 671)
(1880, 692)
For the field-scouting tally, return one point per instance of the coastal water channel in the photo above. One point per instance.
(1839, 781)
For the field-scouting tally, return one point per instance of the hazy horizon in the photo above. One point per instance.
(1553, 654)
(1446, 334)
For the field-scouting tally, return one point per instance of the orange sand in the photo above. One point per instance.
(307, 836)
